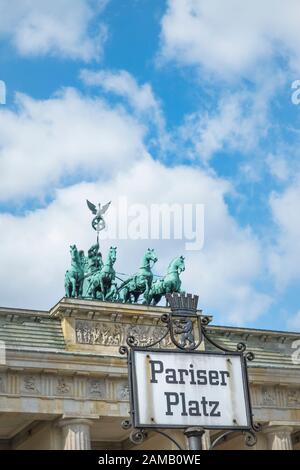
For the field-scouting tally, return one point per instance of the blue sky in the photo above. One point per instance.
(113, 98)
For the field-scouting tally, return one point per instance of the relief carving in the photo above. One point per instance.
(148, 335)
(62, 386)
(30, 383)
(123, 392)
(98, 333)
(97, 388)
(111, 334)
(293, 397)
(268, 396)
(275, 396)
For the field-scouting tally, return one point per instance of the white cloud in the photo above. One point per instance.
(230, 37)
(68, 136)
(284, 256)
(238, 123)
(123, 84)
(141, 98)
(278, 167)
(223, 273)
(56, 27)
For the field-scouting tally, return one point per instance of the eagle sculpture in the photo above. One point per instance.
(98, 222)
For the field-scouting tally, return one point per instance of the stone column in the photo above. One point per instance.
(279, 437)
(75, 433)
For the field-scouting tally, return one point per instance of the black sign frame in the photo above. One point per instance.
(134, 404)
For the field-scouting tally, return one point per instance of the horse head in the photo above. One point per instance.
(73, 251)
(112, 254)
(177, 265)
(150, 255)
(181, 264)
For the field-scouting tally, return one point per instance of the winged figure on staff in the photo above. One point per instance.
(98, 222)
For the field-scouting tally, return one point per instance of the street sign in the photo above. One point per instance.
(175, 389)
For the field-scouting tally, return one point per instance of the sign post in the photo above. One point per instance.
(194, 436)
(186, 388)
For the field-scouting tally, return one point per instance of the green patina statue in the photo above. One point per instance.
(169, 284)
(75, 275)
(139, 283)
(102, 282)
(90, 278)
(98, 222)
(91, 265)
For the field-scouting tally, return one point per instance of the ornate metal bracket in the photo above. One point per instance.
(250, 436)
(137, 436)
(187, 329)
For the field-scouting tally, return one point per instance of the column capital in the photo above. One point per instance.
(75, 432)
(277, 429)
(69, 421)
(279, 437)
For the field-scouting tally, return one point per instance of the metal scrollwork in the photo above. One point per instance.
(123, 350)
(164, 318)
(241, 347)
(250, 356)
(249, 435)
(205, 320)
(250, 438)
(137, 436)
(257, 427)
(131, 341)
(126, 424)
(221, 438)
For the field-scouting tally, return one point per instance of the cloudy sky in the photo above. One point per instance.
(176, 101)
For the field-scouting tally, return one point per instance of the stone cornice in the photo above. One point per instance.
(91, 309)
(94, 309)
(66, 361)
(263, 335)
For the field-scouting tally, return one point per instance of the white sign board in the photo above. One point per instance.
(183, 389)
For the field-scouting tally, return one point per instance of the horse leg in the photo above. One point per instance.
(73, 287)
(80, 288)
(157, 299)
(168, 289)
(76, 288)
(102, 288)
(67, 289)
(92, 292)
(115, 294)
(67, 285)
(148, 297)
(124, 295)
(129, 295)
(146, 293)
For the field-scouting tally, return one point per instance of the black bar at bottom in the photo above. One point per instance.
(137, 459)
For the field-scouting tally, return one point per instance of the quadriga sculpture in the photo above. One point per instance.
(89, 278)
